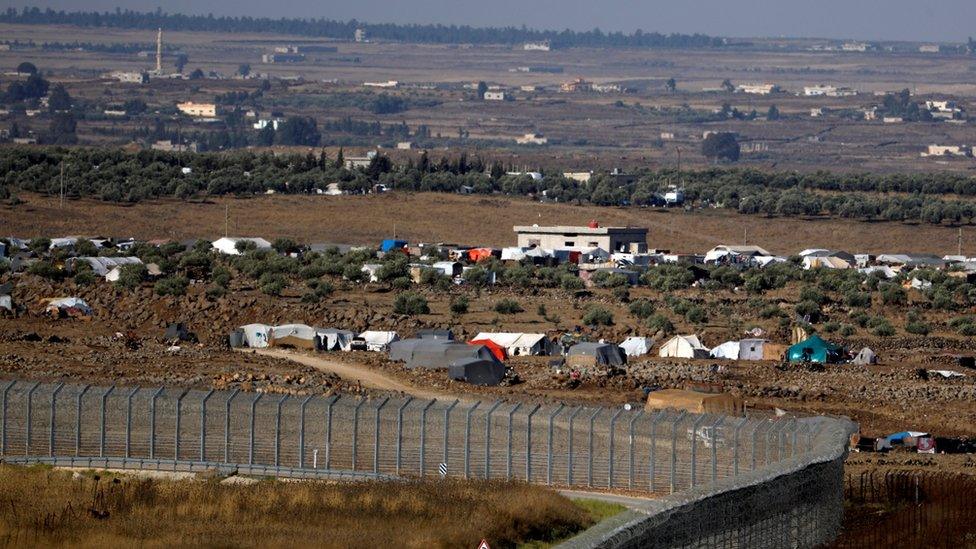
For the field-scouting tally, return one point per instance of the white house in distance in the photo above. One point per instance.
(228, 244)
(757, 89)
(190, 108)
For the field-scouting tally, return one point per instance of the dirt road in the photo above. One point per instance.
(351, 372)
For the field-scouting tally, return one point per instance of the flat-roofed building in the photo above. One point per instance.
(611, 239)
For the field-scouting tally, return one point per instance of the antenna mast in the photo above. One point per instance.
(159, 51)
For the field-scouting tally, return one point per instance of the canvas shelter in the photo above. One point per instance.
(480, 254)
(637, 346)
(178, 332)
(299, 336)
(256, 336)
(518, 343)
(68, 306)
(391, 244)
(815, 349)
(377, 341)
(6, 303)
(866, 356)
(495, 349)
(101, 266)
(435, 354)
(477, 371)
(695, 402)
(683, 346)
(728, 350)
(331, 339)
(595, 354)
(760, 349)
(228, 245)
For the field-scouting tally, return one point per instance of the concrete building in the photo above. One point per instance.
(757, 89)
(496, 96)
(127, 77)
(532, 139)
(537, 46)
(582, 177)
(929, 48)
(282, 58)
(265, 122)
(946, 150)
(360, 35)
(611, 239)
(190, 108)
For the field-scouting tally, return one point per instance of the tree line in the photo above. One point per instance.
(345, 30)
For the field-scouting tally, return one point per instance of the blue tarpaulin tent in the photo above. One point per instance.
(815, 349)
(392, 244)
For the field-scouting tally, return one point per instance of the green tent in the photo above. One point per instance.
(815, 349)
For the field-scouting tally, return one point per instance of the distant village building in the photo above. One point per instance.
(606, 88)
(929, 48)
(360, 35)
(892, 120)
(387, 84)
(353, 162)
(496, 96)
(816, 112)
(130, 77)
(404, 145)
(198, 109)
(537, 46)
(531, 139)
(946, 150)
(577, 85)
(611, 239)
(167, 145)
(828, 91)
(757, 89)
(855, 46)
(667, 136)
(265, 122)
(581, 177)
(282, 58)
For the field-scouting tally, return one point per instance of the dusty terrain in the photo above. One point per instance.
(471, 220)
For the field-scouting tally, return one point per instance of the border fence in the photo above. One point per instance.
(787, 467)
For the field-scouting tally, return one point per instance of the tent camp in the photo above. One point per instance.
(815, 349)
(695, 402)
(517, 343)
(378, 341)
(331, 339)
(595, 354)
(256, 336)
(637, 346)
(436, 354)
(299, 336)
(866, 356)
(476, 371)
(687, 346)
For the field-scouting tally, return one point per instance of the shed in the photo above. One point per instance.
(595, 354)
(695, 402)
(637, 346)
(815, 349)
(477, 371)
(684, 346)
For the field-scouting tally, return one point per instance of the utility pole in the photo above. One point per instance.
(959, 243)
(61, 193)
(226, 219)
(159, 51)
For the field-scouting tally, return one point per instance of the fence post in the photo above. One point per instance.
(101, 443)
(777, 424)
(399, 446)
(755, 441)
(630, 476)
(423, 432)
(657, 418)
(376, 437)
(488, 437)
(52, 430)
(467, 439)
(528, 443)
(714, 437)
(613, 428)
(176, 428)
(735, 445)
(447, 428)
(30, 413)
(203, 425)
(569, 456)
(694, 449)
(77, 419)
(227, 404)
(301, 432)
(674, 450)
(589, 455)
(508, 469)
(277, 447)
(328, 433)
(250, 440)
(549, 449)
(128, 422)
(355, 430)
(3, 438)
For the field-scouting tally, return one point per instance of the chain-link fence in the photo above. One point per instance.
(646, 453)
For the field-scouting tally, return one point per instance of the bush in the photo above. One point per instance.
(598, 316)
(621, 293)
(272, 283)
(459, 305)
(172, 285)
(46, 269)
(642, 308)
(354, 273)
(216, 292)
(508, 307)
(809, 309)
(892, 294)
(659, 322)
(571, 282)
(917, 327)
(668, 278)
(220, 276)
(401, 283)
(857, 299)
(131, 276)
(810, 293)
(696, 315)
(967, 330)
(771, 311)
(830, 327)
(883, 328)
(410, 303)
(84, 278)
(476, 276)
(847, 330)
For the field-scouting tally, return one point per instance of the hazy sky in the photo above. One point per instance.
(944, 20)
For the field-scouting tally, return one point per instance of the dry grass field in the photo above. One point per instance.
(50, 508)
(473, 220)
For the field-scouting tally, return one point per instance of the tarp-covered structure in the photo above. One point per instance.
(477, 371)
(517, 343)
(332, 339)
(728, 350)
(299, 336)
(865, 356)
(68, 306)
(695, 402)
(436, 354)
(595, 354)
(256, 336)
(637, 346)
(815, 349)
(684, 346)
(496, 350)
(378, 342)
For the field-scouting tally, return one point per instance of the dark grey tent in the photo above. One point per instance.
(595, 354)
(443, 335)
(435, 353)
(477, 371)
(236, 339)
(178, 332)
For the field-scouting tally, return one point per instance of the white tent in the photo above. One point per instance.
(516, 343)
(333, 339)
(637, 346)
(884, 270)
(257, 335)
(687, 346)
(378, 341)
(228, 245)
(513, 254)
(865, 357)
(728, 350)
(295, 335)
(103, 265)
